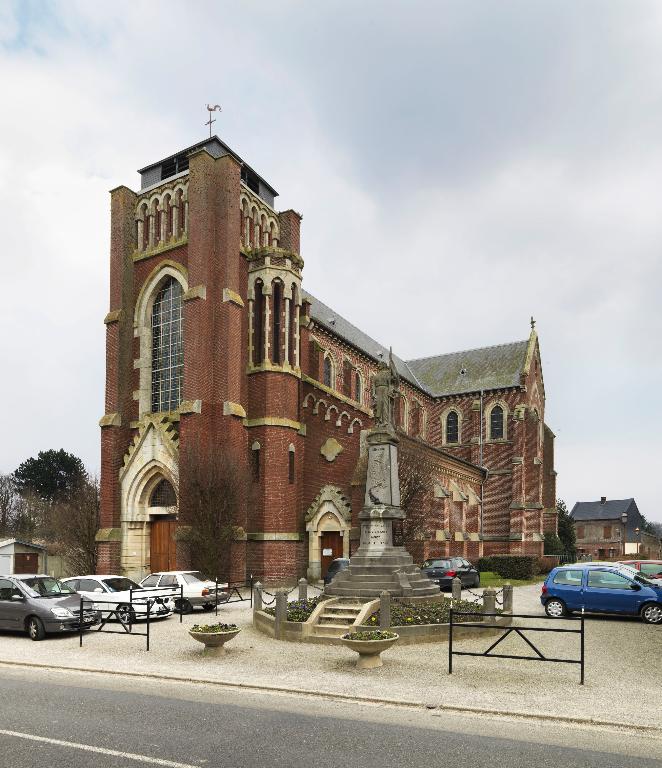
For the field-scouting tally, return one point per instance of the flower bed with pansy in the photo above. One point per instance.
(403, 614)
(298, 610)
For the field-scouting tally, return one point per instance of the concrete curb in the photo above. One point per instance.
(439, 709)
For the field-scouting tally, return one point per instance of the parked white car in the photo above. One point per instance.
(195, 589)
(117, 593)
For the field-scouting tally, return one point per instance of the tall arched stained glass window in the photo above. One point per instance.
(167, 347)
(496, 423)
(452, 427)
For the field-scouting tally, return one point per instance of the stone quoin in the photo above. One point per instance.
(210, 336)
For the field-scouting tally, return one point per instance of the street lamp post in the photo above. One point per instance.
(638, 532)
(624, 520)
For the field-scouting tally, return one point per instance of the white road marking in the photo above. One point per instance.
(98, 750)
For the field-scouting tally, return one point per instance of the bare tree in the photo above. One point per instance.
(214, 488)
(75, 522)
(28, 516)
(415, 488)
(8, 502)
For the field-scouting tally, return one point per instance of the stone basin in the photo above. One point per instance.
(369, 650)
(214, 642)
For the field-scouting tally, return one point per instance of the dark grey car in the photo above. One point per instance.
(39, 604)
(443, 570)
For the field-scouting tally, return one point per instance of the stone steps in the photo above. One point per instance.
(337, 617)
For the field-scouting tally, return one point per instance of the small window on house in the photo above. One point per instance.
(496, 423)
(163, 495)
(580, 532)
(452, 427)
(606, 532)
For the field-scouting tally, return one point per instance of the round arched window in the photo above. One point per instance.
(496, 423)
(452, 427)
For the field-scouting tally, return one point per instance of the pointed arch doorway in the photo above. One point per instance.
(328, 523)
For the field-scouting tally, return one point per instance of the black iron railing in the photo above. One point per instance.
(508, 630)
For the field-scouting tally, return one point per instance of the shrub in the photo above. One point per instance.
(545, 564)
(510, 566)
(553, 545)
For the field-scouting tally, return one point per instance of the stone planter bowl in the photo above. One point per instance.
(369, 650)
(214, 641)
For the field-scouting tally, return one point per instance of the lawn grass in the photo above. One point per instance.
(491, 579)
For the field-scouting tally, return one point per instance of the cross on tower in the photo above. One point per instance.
(210, 109)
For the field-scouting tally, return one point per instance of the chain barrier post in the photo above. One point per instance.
(281, 612)
(181, 603)
(303, 589)
(250, 586)
(456, 588)
(489, 604)
(384, 610)
(507, 598)
(257, 596)
(216, 596)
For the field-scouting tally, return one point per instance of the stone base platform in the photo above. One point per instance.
(390, 569)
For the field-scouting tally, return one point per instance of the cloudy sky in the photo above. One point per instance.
(460, 166)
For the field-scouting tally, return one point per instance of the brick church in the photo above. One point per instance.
(210, 332)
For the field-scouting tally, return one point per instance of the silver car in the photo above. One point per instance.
(39, 604)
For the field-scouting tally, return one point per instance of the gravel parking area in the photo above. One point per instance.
(623, 670)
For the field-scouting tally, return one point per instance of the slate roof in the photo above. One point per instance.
(487, 368)
(612, 509)
(337, 325)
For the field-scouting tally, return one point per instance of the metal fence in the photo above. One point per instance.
(518, 630)
(127, 614)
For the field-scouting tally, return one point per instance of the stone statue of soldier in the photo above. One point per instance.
(385, 388)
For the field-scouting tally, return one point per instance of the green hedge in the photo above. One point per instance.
(510, 566)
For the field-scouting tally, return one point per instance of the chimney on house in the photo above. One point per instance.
(603, 499)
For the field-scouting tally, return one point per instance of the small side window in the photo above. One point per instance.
(568, 578)
(87, 585)
(608, 580)
(6, 589)
(168, 581)
(151, 581)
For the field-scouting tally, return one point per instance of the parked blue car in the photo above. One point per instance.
(601, 589)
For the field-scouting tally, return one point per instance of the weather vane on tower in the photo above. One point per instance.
(210, 109)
